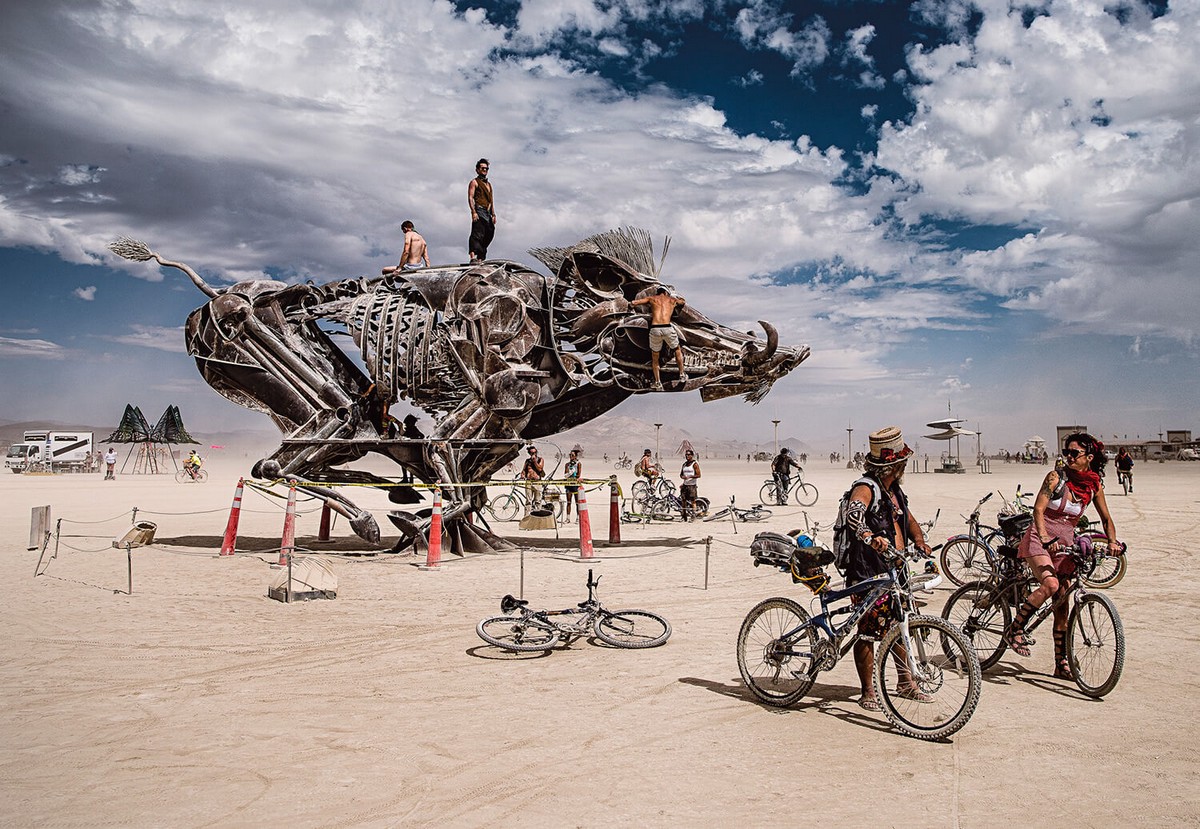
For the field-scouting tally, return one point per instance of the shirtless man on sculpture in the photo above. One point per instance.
(662, 331)
(416, 252)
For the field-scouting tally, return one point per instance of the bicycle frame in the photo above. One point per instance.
(874, 589)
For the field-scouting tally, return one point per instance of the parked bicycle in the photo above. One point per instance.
(781, 648)
(758, 512)
(512, 504)
(659, 486)
(804, 494)
(670, 507)
(983, 610)
(522, 629)
(974, 556)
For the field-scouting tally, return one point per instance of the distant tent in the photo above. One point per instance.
(685, 446)
(170, 428)
(133, 428)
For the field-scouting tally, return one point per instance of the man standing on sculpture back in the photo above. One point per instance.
(482, 202)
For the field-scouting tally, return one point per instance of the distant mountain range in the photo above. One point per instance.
(611, 434)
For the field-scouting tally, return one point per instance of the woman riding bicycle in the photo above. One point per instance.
(1060, 502)
(193, 463)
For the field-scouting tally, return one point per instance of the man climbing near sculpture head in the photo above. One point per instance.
(662, 330)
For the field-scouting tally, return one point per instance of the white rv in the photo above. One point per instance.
(51, 451)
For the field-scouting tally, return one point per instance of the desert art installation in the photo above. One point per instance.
(494, 352)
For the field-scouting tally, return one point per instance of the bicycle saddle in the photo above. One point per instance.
(510, 603)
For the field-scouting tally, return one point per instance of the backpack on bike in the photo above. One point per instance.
(842, 537)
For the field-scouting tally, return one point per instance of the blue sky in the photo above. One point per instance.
(985, 205)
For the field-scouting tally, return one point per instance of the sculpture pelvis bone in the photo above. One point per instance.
(496, 353)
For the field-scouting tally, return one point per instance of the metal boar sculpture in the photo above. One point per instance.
(494, 352)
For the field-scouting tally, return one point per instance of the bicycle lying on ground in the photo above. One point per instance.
(522, 629)
(983, 610)
(804, 494)
(189, 475)
(670, 507)
(756, 513)
(781, 648)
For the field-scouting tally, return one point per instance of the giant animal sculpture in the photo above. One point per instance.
(495, 353)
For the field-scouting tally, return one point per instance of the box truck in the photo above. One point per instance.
(51, 451)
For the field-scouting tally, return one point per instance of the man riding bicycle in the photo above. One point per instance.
(781, 470)
(1124, 464)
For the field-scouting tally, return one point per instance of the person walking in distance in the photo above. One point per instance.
(532, 473)
(482, 201)
(415, 254)
(110, 464)
(662, 331)
(689, 474)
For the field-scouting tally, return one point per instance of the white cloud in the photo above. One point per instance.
(162, 338)
(86, 294)
(38, 349)
(762, 24)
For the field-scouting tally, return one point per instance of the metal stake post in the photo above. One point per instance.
(129, 561)
(707, 550)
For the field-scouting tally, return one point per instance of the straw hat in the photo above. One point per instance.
(888, 447)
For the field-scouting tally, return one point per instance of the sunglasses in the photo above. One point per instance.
(1075, 453)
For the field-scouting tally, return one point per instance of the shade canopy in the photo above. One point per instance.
(949, 433)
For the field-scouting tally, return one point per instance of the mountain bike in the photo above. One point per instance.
(656, 487)
(804, 494)
(971, 556)
(525, 630)
(510, 505)
(189, 475)
(781, 647)
(983, 610)
(758, 512)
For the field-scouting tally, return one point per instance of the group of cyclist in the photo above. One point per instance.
(878, 516)
(689, 476)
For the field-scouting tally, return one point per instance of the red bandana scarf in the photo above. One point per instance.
(1083, 485)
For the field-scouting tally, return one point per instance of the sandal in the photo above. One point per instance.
(1062, 665)
(912, 692)
(1062, 670)
(1018, 642)
(869, 704)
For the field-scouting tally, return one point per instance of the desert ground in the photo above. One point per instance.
(198, 701)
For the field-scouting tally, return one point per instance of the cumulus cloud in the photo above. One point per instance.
(86, 294)
(762, 24)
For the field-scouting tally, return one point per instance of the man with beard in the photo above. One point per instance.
(878, 517)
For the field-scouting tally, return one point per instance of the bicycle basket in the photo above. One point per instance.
(807, 566)
(1014, 526)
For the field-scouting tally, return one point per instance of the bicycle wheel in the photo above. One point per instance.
(1124, 482)
(769, 494)
(702, 505)
(504, 508)
(201, 475)
(1095, 644)
(777, 670)
(515, 633)
(661, 509)
(805, 494)
(758, 513)
(632, 629)
(983, 616)
(939, 699)
(1110, 568)
(639, 491)
(964, 560)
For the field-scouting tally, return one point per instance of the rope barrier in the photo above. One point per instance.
(102, 521)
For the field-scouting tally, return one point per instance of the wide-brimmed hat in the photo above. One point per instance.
(888, 447)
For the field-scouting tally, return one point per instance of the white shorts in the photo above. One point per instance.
(660, 334)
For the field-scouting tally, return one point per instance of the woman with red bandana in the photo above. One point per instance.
(1060, 502)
